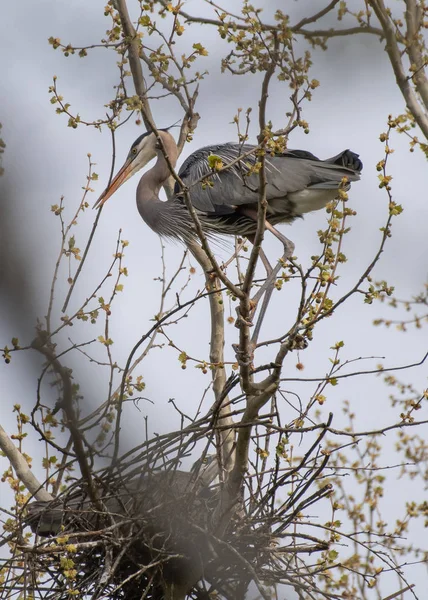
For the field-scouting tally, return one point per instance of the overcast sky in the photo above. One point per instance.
(45, 159)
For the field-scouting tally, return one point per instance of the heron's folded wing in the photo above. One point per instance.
(222, 193)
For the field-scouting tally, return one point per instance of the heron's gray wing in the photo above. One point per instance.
(46, 518)
(315, 174)
(132, 499)
(221, 192)
(292, 171)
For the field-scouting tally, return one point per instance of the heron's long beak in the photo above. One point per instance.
(129, 168)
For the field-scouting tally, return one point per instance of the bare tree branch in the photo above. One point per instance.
(395, 56)
(134, 62)
(22, 469)
(415, 48)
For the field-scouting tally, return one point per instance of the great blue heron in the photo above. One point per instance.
(159, 520)
(226, 202)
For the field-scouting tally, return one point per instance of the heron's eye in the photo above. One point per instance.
(134, 151)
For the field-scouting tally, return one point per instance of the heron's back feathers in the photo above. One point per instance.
(296, 181)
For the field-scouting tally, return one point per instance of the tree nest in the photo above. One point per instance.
(139, 538)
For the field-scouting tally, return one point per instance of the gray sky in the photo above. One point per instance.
(44, 160)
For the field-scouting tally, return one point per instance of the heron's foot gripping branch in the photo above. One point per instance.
(244, 359)
(240, 320)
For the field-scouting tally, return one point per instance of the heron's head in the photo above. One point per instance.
(142, 151)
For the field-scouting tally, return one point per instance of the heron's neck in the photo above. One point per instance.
(149, 206)
(156, 177)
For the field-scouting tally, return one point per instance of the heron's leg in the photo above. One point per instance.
(288, 244)
(265, 290)
(268, 286)
(270, 276)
